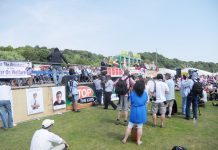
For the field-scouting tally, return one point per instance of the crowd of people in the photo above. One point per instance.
(134, 94)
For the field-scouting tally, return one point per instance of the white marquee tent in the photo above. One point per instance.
(200, 72)
(165, 70)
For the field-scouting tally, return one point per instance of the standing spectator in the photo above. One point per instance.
(123, 98)
(5, 102)
(43, 139)
(184, 93)
(56, 59)
(138, 113)
(170, 96)
(73, 89)
(192, 97)
(98, 89)
(108, 91)
(160, 89)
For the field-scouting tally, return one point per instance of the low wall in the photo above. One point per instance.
(20, 105)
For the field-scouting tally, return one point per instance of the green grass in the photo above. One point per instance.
(94, 128)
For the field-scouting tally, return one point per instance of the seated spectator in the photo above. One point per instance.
(43, 139)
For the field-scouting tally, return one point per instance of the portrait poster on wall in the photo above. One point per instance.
(58, 97)
(34, 101)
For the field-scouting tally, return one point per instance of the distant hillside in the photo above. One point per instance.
(175, 63)
(84, 57)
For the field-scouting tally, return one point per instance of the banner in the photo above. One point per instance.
(15, 69)
(86, 95)
(34, 101)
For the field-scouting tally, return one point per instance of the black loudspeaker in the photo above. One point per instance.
(178, 72)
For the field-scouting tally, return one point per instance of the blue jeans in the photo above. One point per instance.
(99, 96)
(194, 100)
(57, 74)
(6, 114)
(184, 99)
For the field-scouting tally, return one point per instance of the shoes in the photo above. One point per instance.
(154, 125)
(76, 110)
(125, 123)
(187, 118)
(117, 122)
(162, 126)
(139, 143)
(123, 141)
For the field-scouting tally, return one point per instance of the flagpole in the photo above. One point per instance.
(156, 57)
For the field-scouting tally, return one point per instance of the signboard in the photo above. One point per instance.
(86, 95)
(114, 72)
(58, 97)
(34, 101)
(10, 69)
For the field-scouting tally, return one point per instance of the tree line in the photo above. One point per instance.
(40, 54)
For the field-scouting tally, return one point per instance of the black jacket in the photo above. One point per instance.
(56, 57)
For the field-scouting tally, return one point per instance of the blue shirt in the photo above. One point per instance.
(138, 111)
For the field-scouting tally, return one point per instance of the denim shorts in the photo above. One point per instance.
(75, 98)
(130, 125)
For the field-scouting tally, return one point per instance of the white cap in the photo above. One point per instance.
(47, 122)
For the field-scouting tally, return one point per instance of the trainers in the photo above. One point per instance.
(125, 122)
(162, 126)
(117, 122)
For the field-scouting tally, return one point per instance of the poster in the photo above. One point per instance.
(34, 101)
(58, 97)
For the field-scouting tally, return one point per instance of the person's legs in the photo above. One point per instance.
(98, 96)
(110, 102)
(170, 107)
(195, 106)
(139, 135)
(3, 116)
(125, 107)
(162, 110)
(54, 73)
(107, 94)
(184, 99)
(76, 97)
(60, 74)
(127, 133)
(154, 109)
(188, 103)
(9, 112)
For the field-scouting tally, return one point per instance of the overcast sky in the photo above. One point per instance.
(183, 29)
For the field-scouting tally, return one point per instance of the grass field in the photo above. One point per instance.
(94, 128)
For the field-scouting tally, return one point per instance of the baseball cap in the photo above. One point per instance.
(47, 122)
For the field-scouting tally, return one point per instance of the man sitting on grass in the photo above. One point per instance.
(43, 139)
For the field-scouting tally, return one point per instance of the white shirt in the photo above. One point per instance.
(43, 139)
(109, 85)
(5, 92)
(161, 90)
(204, 98)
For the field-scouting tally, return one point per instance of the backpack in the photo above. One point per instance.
(178, 148)
(197, 88)
(121, 87)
